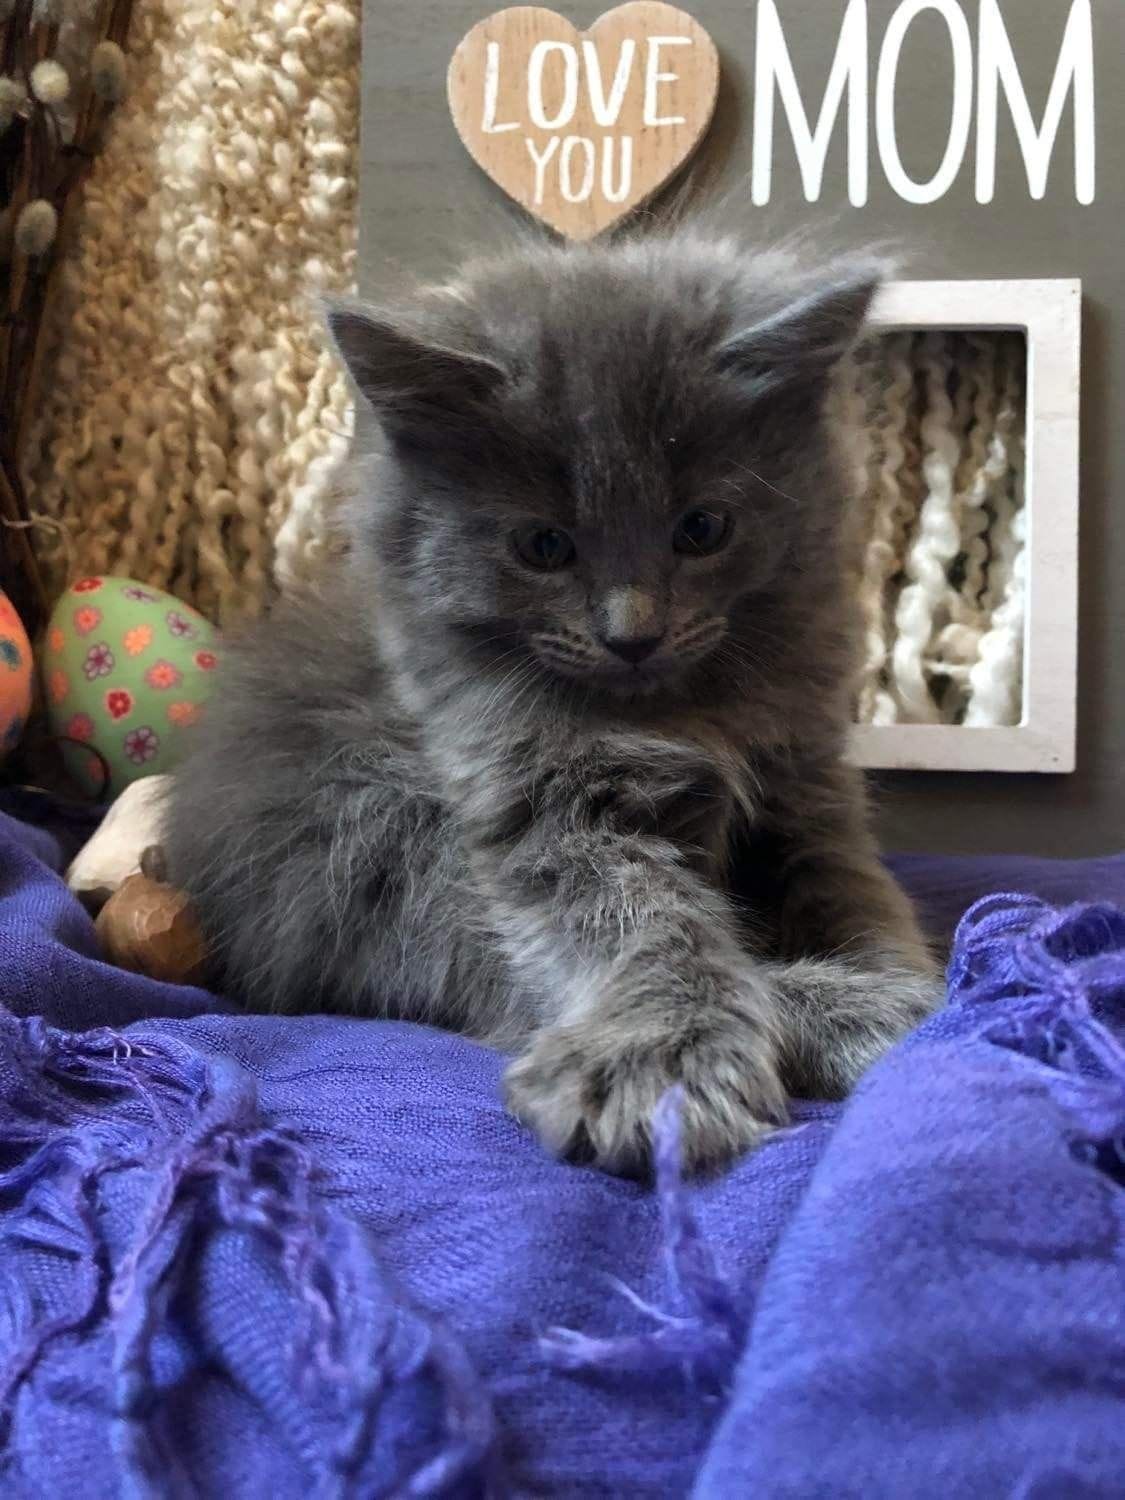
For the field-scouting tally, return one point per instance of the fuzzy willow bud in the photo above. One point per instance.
(49, 82)
(13, 97)
(36, 227)
(107, 72)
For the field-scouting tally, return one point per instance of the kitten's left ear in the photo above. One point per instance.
(801, 342)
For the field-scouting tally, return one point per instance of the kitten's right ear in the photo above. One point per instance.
(799, 344)
(404, 374)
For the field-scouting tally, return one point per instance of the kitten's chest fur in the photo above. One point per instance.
(685, 781)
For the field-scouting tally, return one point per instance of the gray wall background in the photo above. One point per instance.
(423, 201)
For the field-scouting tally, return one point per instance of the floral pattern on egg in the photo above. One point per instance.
(127, 670)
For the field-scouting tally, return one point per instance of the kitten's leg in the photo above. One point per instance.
(631, 957)
(341, 888)
(859, 973)
(327, 874)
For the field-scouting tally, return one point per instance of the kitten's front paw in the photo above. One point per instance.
(589, 1088)
(841, 1017)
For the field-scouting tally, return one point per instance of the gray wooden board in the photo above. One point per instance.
(422, 198)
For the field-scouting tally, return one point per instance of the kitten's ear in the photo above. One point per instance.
(802, 341)
(403, 372)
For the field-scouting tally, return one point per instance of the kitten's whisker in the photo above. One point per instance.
(736, 654)
(498, 691)
(761, 479)
(522, 692)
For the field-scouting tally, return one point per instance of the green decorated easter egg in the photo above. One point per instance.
(126, 670)
(15, 676)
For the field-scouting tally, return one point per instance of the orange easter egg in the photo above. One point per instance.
(15, 676)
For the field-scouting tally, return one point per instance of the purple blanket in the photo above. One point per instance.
(247, 1256)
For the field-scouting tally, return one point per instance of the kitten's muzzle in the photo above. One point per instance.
(630, 623)
(632, 648)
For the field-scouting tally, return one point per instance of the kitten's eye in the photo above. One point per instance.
(543, 547)
(701, 531)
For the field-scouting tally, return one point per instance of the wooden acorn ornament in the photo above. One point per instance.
(151, 928)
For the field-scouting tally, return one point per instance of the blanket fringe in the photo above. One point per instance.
(1058, 970)
(706, 1339)
(1052, 970)
(214, 1165)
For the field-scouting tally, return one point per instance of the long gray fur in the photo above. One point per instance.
(430, 790)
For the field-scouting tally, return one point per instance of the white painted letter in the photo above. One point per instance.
(961, 114)
(773, 68)
(654, 78)
(539, 54)
(996, 64)
(566, 186)
(541, 162)
(492, 92)
(608, 111)
(624, 186)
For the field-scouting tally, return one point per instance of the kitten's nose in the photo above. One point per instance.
(632, 648)
(630, 623)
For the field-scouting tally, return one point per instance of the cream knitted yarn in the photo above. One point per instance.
(192, 414)
(937, 424)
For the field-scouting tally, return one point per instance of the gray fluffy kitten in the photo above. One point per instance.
(556, 759)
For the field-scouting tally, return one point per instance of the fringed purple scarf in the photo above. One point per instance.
(257, 1256)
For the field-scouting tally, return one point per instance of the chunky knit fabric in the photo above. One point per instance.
(936, 422)
(192, 414)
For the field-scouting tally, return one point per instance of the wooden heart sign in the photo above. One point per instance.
(582, 126)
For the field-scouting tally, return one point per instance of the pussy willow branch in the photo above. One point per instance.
(37, 162)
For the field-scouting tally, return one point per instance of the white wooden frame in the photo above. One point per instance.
(1049, 315)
